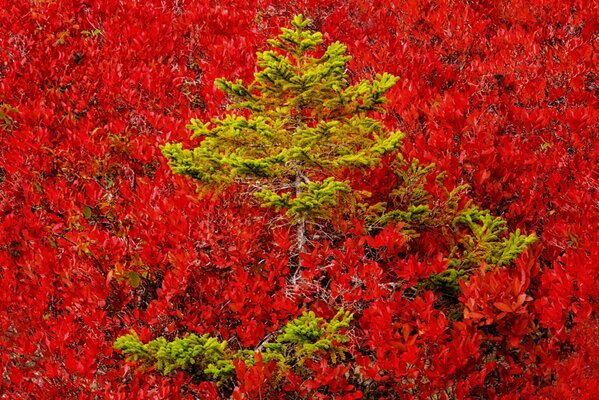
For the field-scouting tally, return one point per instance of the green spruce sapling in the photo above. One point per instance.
(300, 124)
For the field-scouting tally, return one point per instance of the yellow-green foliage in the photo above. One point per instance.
(304, 338)
(484, 239)
(6, 120)
(478, 237)
(475, 235)
(413, 205)
(303, 123)
(197, 354)
(309, 335)
(315, 200)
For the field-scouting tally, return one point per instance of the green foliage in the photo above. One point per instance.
(413, 205)
(197, 354)
(483, 240)
(475, 235)
(6, 120)
(304, 338)
(301, 123)
(446, 282)
(309, 335)
(316, 200)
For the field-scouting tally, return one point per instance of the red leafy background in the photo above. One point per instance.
(501, 95)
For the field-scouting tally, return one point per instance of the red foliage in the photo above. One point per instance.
(98, 237)
(499, 298)
(254, 381)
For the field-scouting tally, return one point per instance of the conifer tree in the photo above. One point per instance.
(297, 126)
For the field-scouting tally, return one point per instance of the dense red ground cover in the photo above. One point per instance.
(98, 237)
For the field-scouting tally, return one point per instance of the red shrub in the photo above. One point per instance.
(97, 237)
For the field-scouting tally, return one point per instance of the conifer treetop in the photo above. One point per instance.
(294, 129)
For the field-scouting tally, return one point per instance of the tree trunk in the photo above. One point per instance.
(300, 240)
